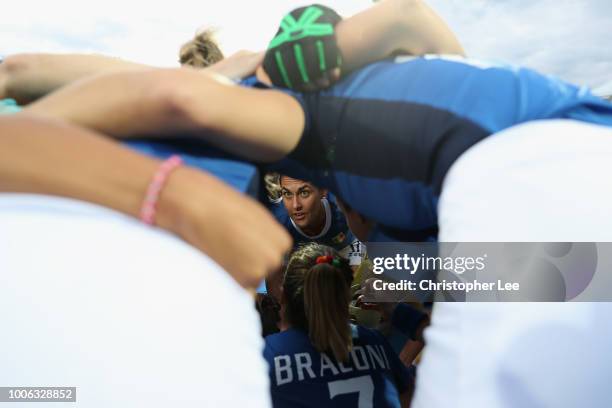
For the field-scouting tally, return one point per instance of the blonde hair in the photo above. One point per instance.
(201, 51)
(317, 298)
(273, 186)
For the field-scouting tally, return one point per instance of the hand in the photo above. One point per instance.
(385, 308)
(234, 230)
(304, 55)
(239, 65)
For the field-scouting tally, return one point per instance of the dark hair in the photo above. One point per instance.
(268, 308)
(317, 298)
(201, 51)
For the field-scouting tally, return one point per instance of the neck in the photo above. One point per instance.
(283, 322)
(316, 230)
(318, 227)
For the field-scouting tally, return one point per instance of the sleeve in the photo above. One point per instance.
(311, 149)
(268, 354)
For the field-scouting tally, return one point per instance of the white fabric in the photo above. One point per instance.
(355, 252)
(128, 314)
(542, 181)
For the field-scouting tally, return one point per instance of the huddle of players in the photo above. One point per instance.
(319, 358)
(361, 368)
(312, 216)
(316, 357)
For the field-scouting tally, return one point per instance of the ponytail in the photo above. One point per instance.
(317, 293)
(326, 299)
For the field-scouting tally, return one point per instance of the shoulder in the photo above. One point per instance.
(364, 335)
(274, 345)
(285, 340)
(392, 78)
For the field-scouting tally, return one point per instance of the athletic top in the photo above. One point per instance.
(300, 376)
(241, 175)
(391, 130)
(335, 233)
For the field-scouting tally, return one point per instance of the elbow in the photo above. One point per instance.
(404, 12)
(17, 62)
(407, 6)
(169, 102)
(169, 105)
(173, 98)
(427, 31)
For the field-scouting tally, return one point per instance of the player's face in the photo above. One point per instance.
(303, 203)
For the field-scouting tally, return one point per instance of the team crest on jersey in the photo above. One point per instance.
(338, 239)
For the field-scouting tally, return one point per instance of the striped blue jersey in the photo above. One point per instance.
(390, 131)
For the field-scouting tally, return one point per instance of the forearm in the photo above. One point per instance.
(406, 398)
(49, 157)
(122, 104)
(410, 351)
(43, 156)
(261, 125)
(409, 26)
(27, 77)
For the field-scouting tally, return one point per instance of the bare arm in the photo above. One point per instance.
(49, 157)
(30, 147)
(261, 125)
(406, 398)
(27, 77)
(390, 26)
(238, 65)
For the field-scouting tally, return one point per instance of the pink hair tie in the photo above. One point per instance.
(149, 204)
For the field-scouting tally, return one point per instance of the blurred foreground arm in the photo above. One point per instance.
(27, 77)
(238, 65)
(392, 26)
(262, 125)
(49, 157)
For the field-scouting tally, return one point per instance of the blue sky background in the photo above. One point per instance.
(571, 39)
